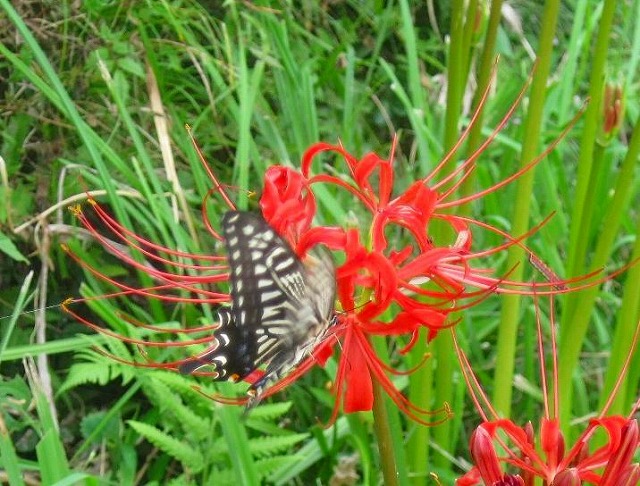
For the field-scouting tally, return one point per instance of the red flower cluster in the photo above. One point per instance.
(608, 465)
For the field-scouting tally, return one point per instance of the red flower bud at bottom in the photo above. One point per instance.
(568, 477)
(510, 480)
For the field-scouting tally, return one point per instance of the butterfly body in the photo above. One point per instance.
(281, 306)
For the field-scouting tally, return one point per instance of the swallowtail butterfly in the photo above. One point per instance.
(281, 306)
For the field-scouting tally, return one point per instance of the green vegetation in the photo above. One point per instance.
(96, 96)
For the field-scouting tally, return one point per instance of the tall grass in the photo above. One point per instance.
(96, 97)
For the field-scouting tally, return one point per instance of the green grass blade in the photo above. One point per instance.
(21, 303)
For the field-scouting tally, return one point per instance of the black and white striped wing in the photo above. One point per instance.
(280, 306)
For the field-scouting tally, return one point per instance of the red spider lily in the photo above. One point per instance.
(417, 284)
(607, 465)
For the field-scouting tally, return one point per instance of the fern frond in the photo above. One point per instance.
(184, 385)
(267, 466)
(170, 403)
(185, 453)
(270, 411)
(222, 477)
(269, 446)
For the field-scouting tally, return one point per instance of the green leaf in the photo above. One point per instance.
(9, 459)
(93, 422)
(7, 247)
(51, 458)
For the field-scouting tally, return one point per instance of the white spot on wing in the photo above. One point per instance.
(223, 338)
(278, 330)
(268, 312)
(266, 345)
(248, 229)
(284, 264)
(257, 243)
(267, 296)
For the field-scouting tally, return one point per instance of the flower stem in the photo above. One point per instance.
(622, 341)
(420, 393)
(515, 261)
(382, 430)
(484, 77)
(575, 318)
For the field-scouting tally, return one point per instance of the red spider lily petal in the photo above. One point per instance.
(407, 322)
(552, 442)
(286, 202)
(380, 277)
(358, 395)
(330, 237)
(398, 257)
(315, 149)
(630, 477)
(413, 210)
(520, 438)
(432, 263)
(615, 456)
(622, 453)
(587, 462)
(352, 382)
(471, 478)
(363, 171)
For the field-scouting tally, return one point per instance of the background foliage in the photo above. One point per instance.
(96, 95)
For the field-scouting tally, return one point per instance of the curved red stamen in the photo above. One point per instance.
(120, 230)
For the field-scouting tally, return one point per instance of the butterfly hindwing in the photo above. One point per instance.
(280, 306)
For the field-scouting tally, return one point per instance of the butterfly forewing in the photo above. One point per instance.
(280, 306)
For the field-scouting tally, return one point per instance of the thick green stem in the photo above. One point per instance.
(592, 116)
(575, 319)
(420, 393)
(613, 220)
(442, 349)
(515, 261)
(467, 36)
(484, 78)
(382, 429)
(622, 340)
(455, 81)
